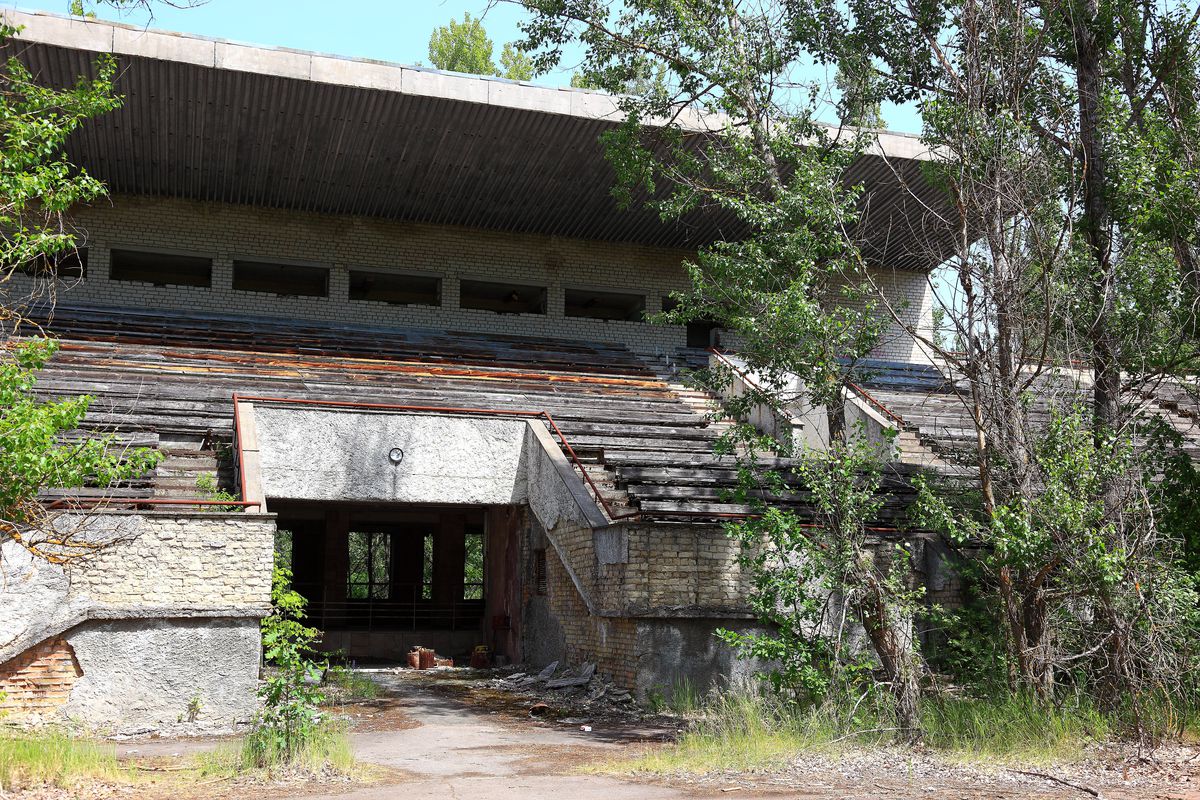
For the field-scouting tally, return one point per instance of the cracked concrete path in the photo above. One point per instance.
(457, 750)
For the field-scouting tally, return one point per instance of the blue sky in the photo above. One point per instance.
(390, 31)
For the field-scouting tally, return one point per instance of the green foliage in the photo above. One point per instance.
(462, 47)
(814, 580)
(290, 722)
(370, 565)
(465, 47)
(1125, 569)
(1176, 495)
(206, 485)
(473, 566)
(283, 548)
(38, 185)
(325, 751)
(742, 730)
(347, 684)
(1013, 728)
(35, 456)
(515, 64)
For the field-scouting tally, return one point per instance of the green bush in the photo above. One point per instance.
(289, 729)
(324, 750)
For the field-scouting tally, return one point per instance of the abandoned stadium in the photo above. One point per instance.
(393, 318)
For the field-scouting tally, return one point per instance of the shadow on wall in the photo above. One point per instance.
(669, 649)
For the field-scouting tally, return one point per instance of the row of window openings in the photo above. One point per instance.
(165, 269)
(371, 564)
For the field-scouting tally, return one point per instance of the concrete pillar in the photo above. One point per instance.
(449, 552)
(408, 564)
(337, 553)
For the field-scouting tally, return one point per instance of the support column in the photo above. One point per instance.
(337, 554)
(449, 553)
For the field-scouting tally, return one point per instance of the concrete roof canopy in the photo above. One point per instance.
(216, 120)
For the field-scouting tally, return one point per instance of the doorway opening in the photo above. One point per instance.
(382, 578)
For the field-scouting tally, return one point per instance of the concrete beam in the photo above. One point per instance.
(250, 459)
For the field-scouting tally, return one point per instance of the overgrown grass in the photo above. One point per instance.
(1011, 730)
(748, 731)
(347, 684)
(682, 699)
(55, 758)
(324, 751)
(739, 731)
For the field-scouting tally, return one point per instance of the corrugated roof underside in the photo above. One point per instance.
(236, 137)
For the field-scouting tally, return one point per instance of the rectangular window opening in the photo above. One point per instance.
(370, 568)
(160, 269)
(605, 305)
(285, 279)
(473, 566)
(502, 298)
(399, 290)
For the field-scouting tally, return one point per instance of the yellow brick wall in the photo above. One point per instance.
(609, 642)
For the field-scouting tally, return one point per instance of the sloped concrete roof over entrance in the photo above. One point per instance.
(216, 120)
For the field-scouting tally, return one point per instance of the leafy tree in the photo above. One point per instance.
(791, 285)
(515, 64)
(38, 187)
(465, 47)
(1067, 134)
(291, 693)
(462, 47)
(813, 578)
(34, 456)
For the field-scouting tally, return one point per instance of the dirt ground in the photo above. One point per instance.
(453, 734)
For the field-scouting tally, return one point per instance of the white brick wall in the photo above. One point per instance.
(227, 232)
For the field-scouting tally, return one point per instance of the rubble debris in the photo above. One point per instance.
(577, 697)
(583, 679)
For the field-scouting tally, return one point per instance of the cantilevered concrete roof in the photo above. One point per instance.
(210, 119)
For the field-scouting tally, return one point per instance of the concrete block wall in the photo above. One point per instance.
(654, 616)
(226, 232)
(657, 570)
(184, 561)
(910, 296)
(684, 568)
(165, 612)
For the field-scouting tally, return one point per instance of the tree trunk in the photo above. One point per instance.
(1097, 221)
(898, 661)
